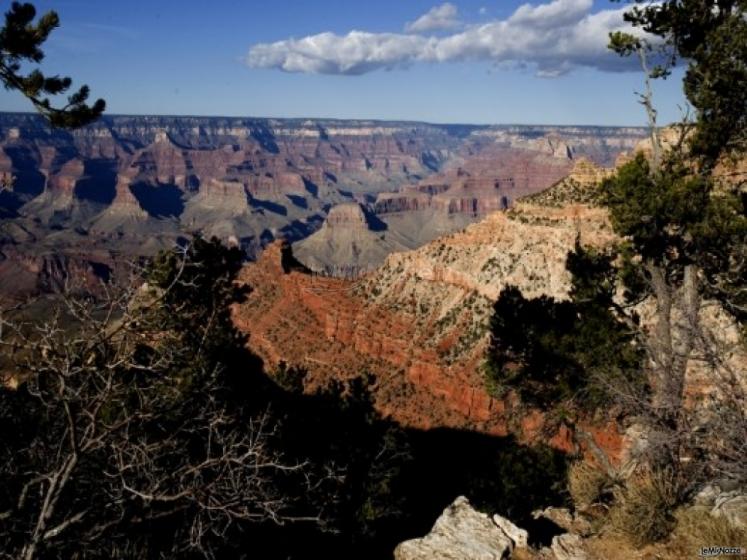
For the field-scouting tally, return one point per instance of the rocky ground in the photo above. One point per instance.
(463, 533)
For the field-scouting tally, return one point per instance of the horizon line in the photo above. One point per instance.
(341, 119)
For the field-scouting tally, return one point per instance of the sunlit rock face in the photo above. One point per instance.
(460, 532)
(420, 319)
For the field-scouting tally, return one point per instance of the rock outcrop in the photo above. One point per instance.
(568, 547)
(519, 537)
(481, 183)
(567, 141)
(730, 505)
(346, 216)
(124, 213)
(348, 244)
(460, 533)
(23, 275)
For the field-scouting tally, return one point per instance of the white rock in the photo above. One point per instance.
(461, 533)
(568, 547)
(518, 535)
(707, 495)
(732, 506)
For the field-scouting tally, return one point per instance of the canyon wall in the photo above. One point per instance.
(419, 322)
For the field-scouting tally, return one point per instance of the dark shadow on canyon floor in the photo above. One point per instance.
(397, 480)
(374, 482)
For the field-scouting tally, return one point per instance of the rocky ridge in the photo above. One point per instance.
(463, 533)
(419, 321)
(348, 243)
(581, 186)
(445, 202)
(459, 533)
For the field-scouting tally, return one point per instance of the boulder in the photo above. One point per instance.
(731, 504)
(733, 507)
(707, 496)
(518, 536)
(568, 547)
(461, 533)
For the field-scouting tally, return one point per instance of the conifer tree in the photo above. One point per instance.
(680, 211)
(21, 43)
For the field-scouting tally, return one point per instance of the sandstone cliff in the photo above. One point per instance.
(419, 321)
(445, 202)
(348, 243)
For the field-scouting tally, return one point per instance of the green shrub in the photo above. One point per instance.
(551, 352)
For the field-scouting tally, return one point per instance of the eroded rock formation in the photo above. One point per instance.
(133, 185)
(460, 533)
(419, 322)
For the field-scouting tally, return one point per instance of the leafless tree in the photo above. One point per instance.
(113, 433)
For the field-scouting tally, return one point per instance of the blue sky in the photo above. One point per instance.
(466, 61)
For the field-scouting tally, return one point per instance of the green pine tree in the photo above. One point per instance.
(20, 43)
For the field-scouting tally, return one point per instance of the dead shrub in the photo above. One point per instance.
(587, 484)
(696, 528)
(644, 509)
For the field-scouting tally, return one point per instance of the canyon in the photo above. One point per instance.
(76, 204)
(378, 251)
(419, 322)
(379, 247)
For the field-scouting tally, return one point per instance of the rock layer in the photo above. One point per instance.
(419, 321)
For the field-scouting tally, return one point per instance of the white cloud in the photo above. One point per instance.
(445, 16)
(554, 38)
(555, 14)
(483, 11)
(357, 52)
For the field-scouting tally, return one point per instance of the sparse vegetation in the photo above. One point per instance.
(588, 484)
(567, 191)
(644, 509)
(695, 526)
